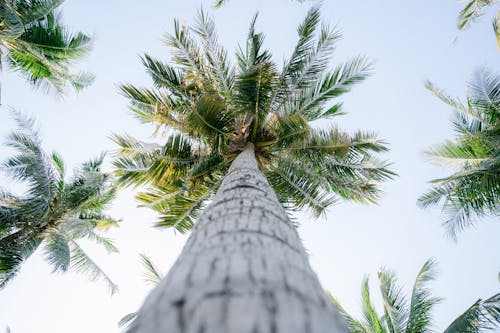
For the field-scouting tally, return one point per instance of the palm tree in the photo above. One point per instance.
(472, 11)
(54, 213)
(34, 42)
(473, 191)
(416, 316)
(232, 135)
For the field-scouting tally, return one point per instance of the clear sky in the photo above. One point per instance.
(410, 41)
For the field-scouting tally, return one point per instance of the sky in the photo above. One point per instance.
(409, 41)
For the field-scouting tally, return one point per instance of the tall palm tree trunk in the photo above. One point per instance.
(243, 269)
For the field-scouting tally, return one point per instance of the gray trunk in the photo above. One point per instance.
(242, 270)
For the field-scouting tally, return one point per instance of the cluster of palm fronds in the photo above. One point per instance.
(210, 109)
(415, 315)
(53, 212)
(37, 45)
(474, 190)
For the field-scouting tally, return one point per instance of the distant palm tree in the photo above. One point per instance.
(399, 316)
(53, 212)
(35, 43)
(473, 10)
(473, 190)
(244, 138)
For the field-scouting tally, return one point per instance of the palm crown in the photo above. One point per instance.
(474, 189)
(53, 212)
(212, 109)
(36, 44)
(414, 315)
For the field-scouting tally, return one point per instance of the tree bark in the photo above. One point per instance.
(243, 269)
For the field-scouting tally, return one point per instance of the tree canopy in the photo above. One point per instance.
(208, 109)
(402, 314)
(53, 212)
(36, 44)
(473, 191)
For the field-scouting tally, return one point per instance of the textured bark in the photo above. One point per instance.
(243, 269)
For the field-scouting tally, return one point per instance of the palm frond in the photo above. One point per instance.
(312, 101)
(82, 263)
(421, 304)
(45, 51)
(353, 324)
(152, 275)
(483, 315)
(496, 30)
(57, 251)
(370, 315)
(299, 186)
(395, 304)
(471, 11)
(179, 210)
(253, 54)
(14, 254)
(215, 55)
(127, 320)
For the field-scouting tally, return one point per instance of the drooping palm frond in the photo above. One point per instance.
(83, 264)
(40, 47)
(473, 191)
(211, 108)
(53, 212)
(482, 316)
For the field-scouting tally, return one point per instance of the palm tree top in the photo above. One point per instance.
(54, 212)
(473, 190)
(414, 314)
(210, 109)
(36, 44)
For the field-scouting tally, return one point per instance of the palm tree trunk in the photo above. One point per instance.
(243, 269)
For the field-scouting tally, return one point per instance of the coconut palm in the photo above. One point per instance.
(472, 11)
(35, 43)
(473, 191)
(243, 137)
(53, 213)
(415, 316)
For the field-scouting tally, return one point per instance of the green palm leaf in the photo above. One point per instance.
(421, 301)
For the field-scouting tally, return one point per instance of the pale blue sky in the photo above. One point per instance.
(410, 41)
